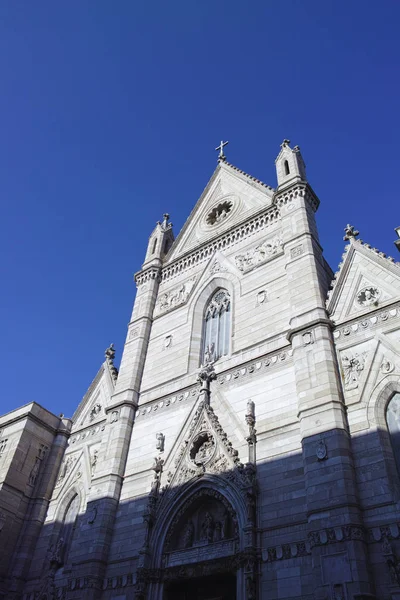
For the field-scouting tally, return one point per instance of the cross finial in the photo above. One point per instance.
(350, 232)
(221, 155)
(165, 224)
(285, 143)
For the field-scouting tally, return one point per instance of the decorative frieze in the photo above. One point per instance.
(92, 431)
(367, 322)
(226, 377)
(259, 254)
(178, 296)
(226, 240)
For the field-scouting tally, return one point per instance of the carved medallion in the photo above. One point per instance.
(368, 296)
(203, 448)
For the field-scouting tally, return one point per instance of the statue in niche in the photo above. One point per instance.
(35, 471)
(207, 528)
(217, 536)
(188, 535)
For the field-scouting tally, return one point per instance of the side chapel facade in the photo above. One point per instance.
(248, 448)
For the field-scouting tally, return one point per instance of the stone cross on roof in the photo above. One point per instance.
(221, 155)
(350, 232)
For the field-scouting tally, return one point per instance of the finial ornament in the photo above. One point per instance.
(110, 355)
(285, 143)
(221, 155)
(110, 352)
(350, 232)
(165, 224)
(397, 242)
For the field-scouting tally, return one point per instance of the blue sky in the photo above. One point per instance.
(109, 116)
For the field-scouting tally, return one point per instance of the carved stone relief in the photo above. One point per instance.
(206, 519)
(321, 450)
(41, 453)
(387, 366)
(66, 467)
(96, 410)
(296, 251)
(94, 456)
(167, 342)
(202, 449)
(216, 267)
(261, 297)
(259, 254)
(175, 297)
(352, 366)
(368, 296)
(3, 446)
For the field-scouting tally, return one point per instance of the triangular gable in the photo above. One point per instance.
(366, 279)
(92, 406)
(229, 198)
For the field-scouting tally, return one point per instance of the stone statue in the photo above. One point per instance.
(207, 528)
(93, 462)
(188, 535)
(160, 442)
(158, 464)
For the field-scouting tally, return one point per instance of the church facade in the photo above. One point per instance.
(248, 447)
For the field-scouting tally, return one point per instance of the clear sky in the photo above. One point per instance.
(109, 116)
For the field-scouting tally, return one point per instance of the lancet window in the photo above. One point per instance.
(393, 423)
(217, 327)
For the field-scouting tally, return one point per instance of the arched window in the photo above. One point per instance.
(154, 246)
(393, 423)
(217, 327)
(287, 170)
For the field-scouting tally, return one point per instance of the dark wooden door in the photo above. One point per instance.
(218, 587)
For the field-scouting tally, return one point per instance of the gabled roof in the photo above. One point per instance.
(355, 273)
(227, 182)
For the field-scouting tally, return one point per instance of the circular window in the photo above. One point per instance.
(219, 213)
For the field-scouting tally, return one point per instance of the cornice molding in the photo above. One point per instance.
(302, 190)
(266, 218)
(358, 325)
(238, 372)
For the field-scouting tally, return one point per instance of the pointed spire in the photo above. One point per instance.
(350, 233)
